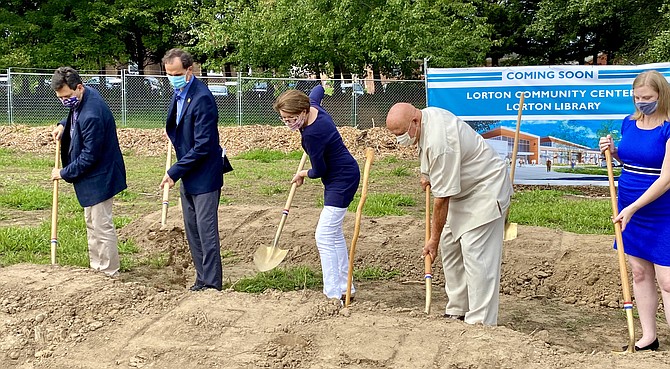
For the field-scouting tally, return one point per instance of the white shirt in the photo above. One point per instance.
(461, 165)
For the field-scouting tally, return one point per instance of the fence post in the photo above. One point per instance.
(239, 99)
(354, 102)
(124, 99)
(10, 112)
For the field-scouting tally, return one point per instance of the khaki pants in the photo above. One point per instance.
(103, 251)
(472, 272)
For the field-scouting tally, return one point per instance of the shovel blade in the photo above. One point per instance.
(267, 258)
(510, 231)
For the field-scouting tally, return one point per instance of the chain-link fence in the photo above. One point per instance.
(142, 100)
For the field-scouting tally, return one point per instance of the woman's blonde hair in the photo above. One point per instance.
(292, 102)
(658, 83)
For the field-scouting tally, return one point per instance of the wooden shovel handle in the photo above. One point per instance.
(369, 158)
(287, 206)
(625, 285)
(166, 187)
(54, 208)
(515, 147)
(428, 260)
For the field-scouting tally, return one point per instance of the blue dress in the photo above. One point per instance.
(647, 235)
(331, 160)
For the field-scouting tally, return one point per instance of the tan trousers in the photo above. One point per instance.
(472, 272)
(103, 251)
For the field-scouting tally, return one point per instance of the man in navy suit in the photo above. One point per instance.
(192, 126)
(92, 162)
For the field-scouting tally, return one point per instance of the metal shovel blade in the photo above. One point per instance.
(510, 231)
(267, 258)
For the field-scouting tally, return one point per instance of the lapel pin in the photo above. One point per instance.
(188, 101)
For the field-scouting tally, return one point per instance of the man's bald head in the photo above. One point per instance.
(399, 118)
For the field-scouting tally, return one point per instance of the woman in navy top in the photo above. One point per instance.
(332, 162)
(644, 204)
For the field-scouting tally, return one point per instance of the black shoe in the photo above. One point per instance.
(454, 317)
(650, 347)
(344, 298)
(197, 287)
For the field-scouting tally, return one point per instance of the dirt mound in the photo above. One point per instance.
(54, 317)
(151, 142)
(540, 263)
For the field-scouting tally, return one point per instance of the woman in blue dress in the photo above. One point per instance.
(332, 162)
(644, 203)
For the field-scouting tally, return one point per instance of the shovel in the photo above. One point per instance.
(369, 157)
(267, 258)
(166, 187)
(511, 228)
(428, 261)
(54, 210)
(625, 286)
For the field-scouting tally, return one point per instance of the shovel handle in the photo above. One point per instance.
(369, 158)
(54, 209)
(625, 285)
(166, 187)
(287, 206)
(515, 147)
(428, 260)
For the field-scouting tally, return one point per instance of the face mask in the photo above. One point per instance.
(70, 102)
(647, 108)
(405, 140)
(296, 123)
(177, 82)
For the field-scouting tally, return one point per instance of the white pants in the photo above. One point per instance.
(103, 251)
(472, 272)
(333, 252)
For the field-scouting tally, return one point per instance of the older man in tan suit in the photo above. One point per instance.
(472, 191)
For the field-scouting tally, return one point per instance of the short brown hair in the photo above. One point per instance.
(658, 83)
(65, 76)
(292, 102)
(185, 58)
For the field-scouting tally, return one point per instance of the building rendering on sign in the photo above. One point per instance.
(534, 149)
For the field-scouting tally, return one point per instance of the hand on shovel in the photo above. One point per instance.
(299, 178)
(430, 248)
(166, 180)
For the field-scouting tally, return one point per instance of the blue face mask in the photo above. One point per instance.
(70, 102)
(177, 81)
(648, 107)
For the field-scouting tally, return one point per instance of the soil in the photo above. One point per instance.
(561, 304)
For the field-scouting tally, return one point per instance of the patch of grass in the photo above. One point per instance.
(279, 279)
(28, 197)
(382, 204)
(552, 209)
(272, 190)
(401, 172)
(225, 200)
(597, 171)
(391, 159)
(265, 155)
(26, 161)
(126, 196)
(121, 221)
(374, 274)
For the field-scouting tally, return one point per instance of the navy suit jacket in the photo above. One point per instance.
(91, 156)
(196, 141)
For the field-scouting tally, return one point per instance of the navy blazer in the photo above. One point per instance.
(196, 141)
(91, 156)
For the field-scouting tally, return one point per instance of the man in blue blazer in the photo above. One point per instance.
(192, 126)
(92, 162)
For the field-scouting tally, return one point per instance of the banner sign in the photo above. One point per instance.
(564, 92)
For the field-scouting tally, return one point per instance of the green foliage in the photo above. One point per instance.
(265, 155)
(401, 172)
(279, 279)
(588, 170)
(560, 210)
(25, 197)
(382, 204)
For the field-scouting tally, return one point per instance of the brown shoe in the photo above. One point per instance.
(454, 317)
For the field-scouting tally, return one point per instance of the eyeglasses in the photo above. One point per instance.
(289, 119)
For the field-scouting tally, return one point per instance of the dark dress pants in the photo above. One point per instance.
(201, 222)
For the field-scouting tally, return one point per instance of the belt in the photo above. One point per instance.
(642, 170)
